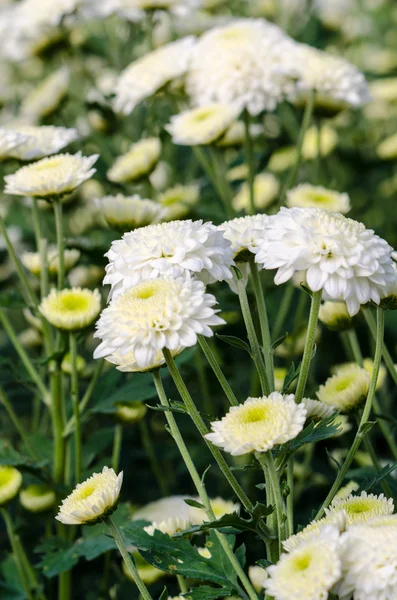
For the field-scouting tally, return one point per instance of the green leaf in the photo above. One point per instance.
(279, 341)
(312, 433)
(97, 442)
(12, 299)
(293, 373)
(194, 503)
(140, 388)
(263, 563)
(234, 341)
(164, 594)
(60, 556)
(369, 484)
(10, 456)
(205, 592)
(175, 407)
(366, 427)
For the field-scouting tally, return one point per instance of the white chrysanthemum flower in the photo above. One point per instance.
(369, 563)
(37, 498)
(345, 390)
(178, 201)
(282, 159)
(317, 410)
(257, 576)
(10, 141)
(71, 309)
(258, 424)
(235, 134)
(169, 515)
(156, 314)
(335, 316)
(309, 571)
(202, 125)
(130, 212)
(306, 195)
(86, 276)
(313, 529)
(149, 74)
(245, 234)
(127, 363)
(42, 141)
(338, 84)
(244, 63)
(32, 262)
(168, 249)
(338, 255)
(137, 162)
(359, 509)
(93, 500)
(46, 98)
(266, 188)
(51, 177)
(10, 482)
(368, 365)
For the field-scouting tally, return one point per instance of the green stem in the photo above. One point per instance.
(199, 153)
(355, 346)
(57, 424)
(283, 310)
(385, 353)
(203, 381)
(252, 337)
(307, 115)
(14, 546)
(75, 403)
(222, 182)
(267, 462)
(375, 462)
(249, 154)
(117, 443)
(27, 291)
(182, 584)
(58, 213)
(263, 322)
(199, 485)
(209, 355)
(361, 432)
(29, 570)
(309, 344)
(70, 426)
(290, 497)
(202, 428)
(41, 245)
(33, 373)
(133, 571)
(17, 423)
(154, 463)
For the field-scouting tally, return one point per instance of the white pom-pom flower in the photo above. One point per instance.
(147, 75)
(317, 410)
(52, 177)
(258, 424)
(345, 390)
(306, 195)
(156, 314)
(245, 235)
(71, 309)
(202, 125)
(337, 254)
(309, 571)
(93, 500)
(130, 212)
(359, 509)
(32, 261)
(140, 160)
(169, 515)
(168, 249)
(37, 498)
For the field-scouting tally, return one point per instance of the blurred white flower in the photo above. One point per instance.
(338, 255)
(258, 576)
(37, 142)
(178, 201)
(317, 410)
(258, 424)
(202, 125)
(345, 390)
(52, 177)
(10, 142)
(46, 97)
(156, 314)
(93, 500)
(32, 262)
(306, 195)
(10, 482)
(137, 162)
(168, 248)
(129, 212)
(37, 498)
(169, 515)
(149, 74)
(266, 188)
(335, 316)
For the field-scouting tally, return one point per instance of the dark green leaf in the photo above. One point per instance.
(290, 377)
(194, 503)
(205, 592)
(313, 432)
(279, 341)
(235, 342)
(12, 299)
(366, 427)
(60, 556)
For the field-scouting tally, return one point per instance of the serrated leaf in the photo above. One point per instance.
(234, 341)
(312, 433)
(10, 456)
(369, 485)
(60, 556)
(175, 407)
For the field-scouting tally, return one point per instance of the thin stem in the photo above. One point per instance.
(283, 310)
(252, 337)
(307, 115)
(17, 423)
(182, 584)
(117, 443)
(127, 559)
(264, 323)
(209, 355)
(200, 487)
(154, 463)
(75, 403)
(203, 381)
(267, 462)
(58, 213)
(385, 353)
(29, 570)
(222, 183)
(33, 373)
(375, 462)
(202, 428)
(41, 245)
(199, 153)
(70, 426)
(249, 155)
(309, 344)
(361, 432)
(290, 497)
(27, 291)
(14, 546)
(355, 346)
(57, 424)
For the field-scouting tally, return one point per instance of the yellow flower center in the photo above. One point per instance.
(6, 475)
(73, 302)
(146, 291)
(85, 491)
(49, 164)
(253, 414)
(302, 562)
